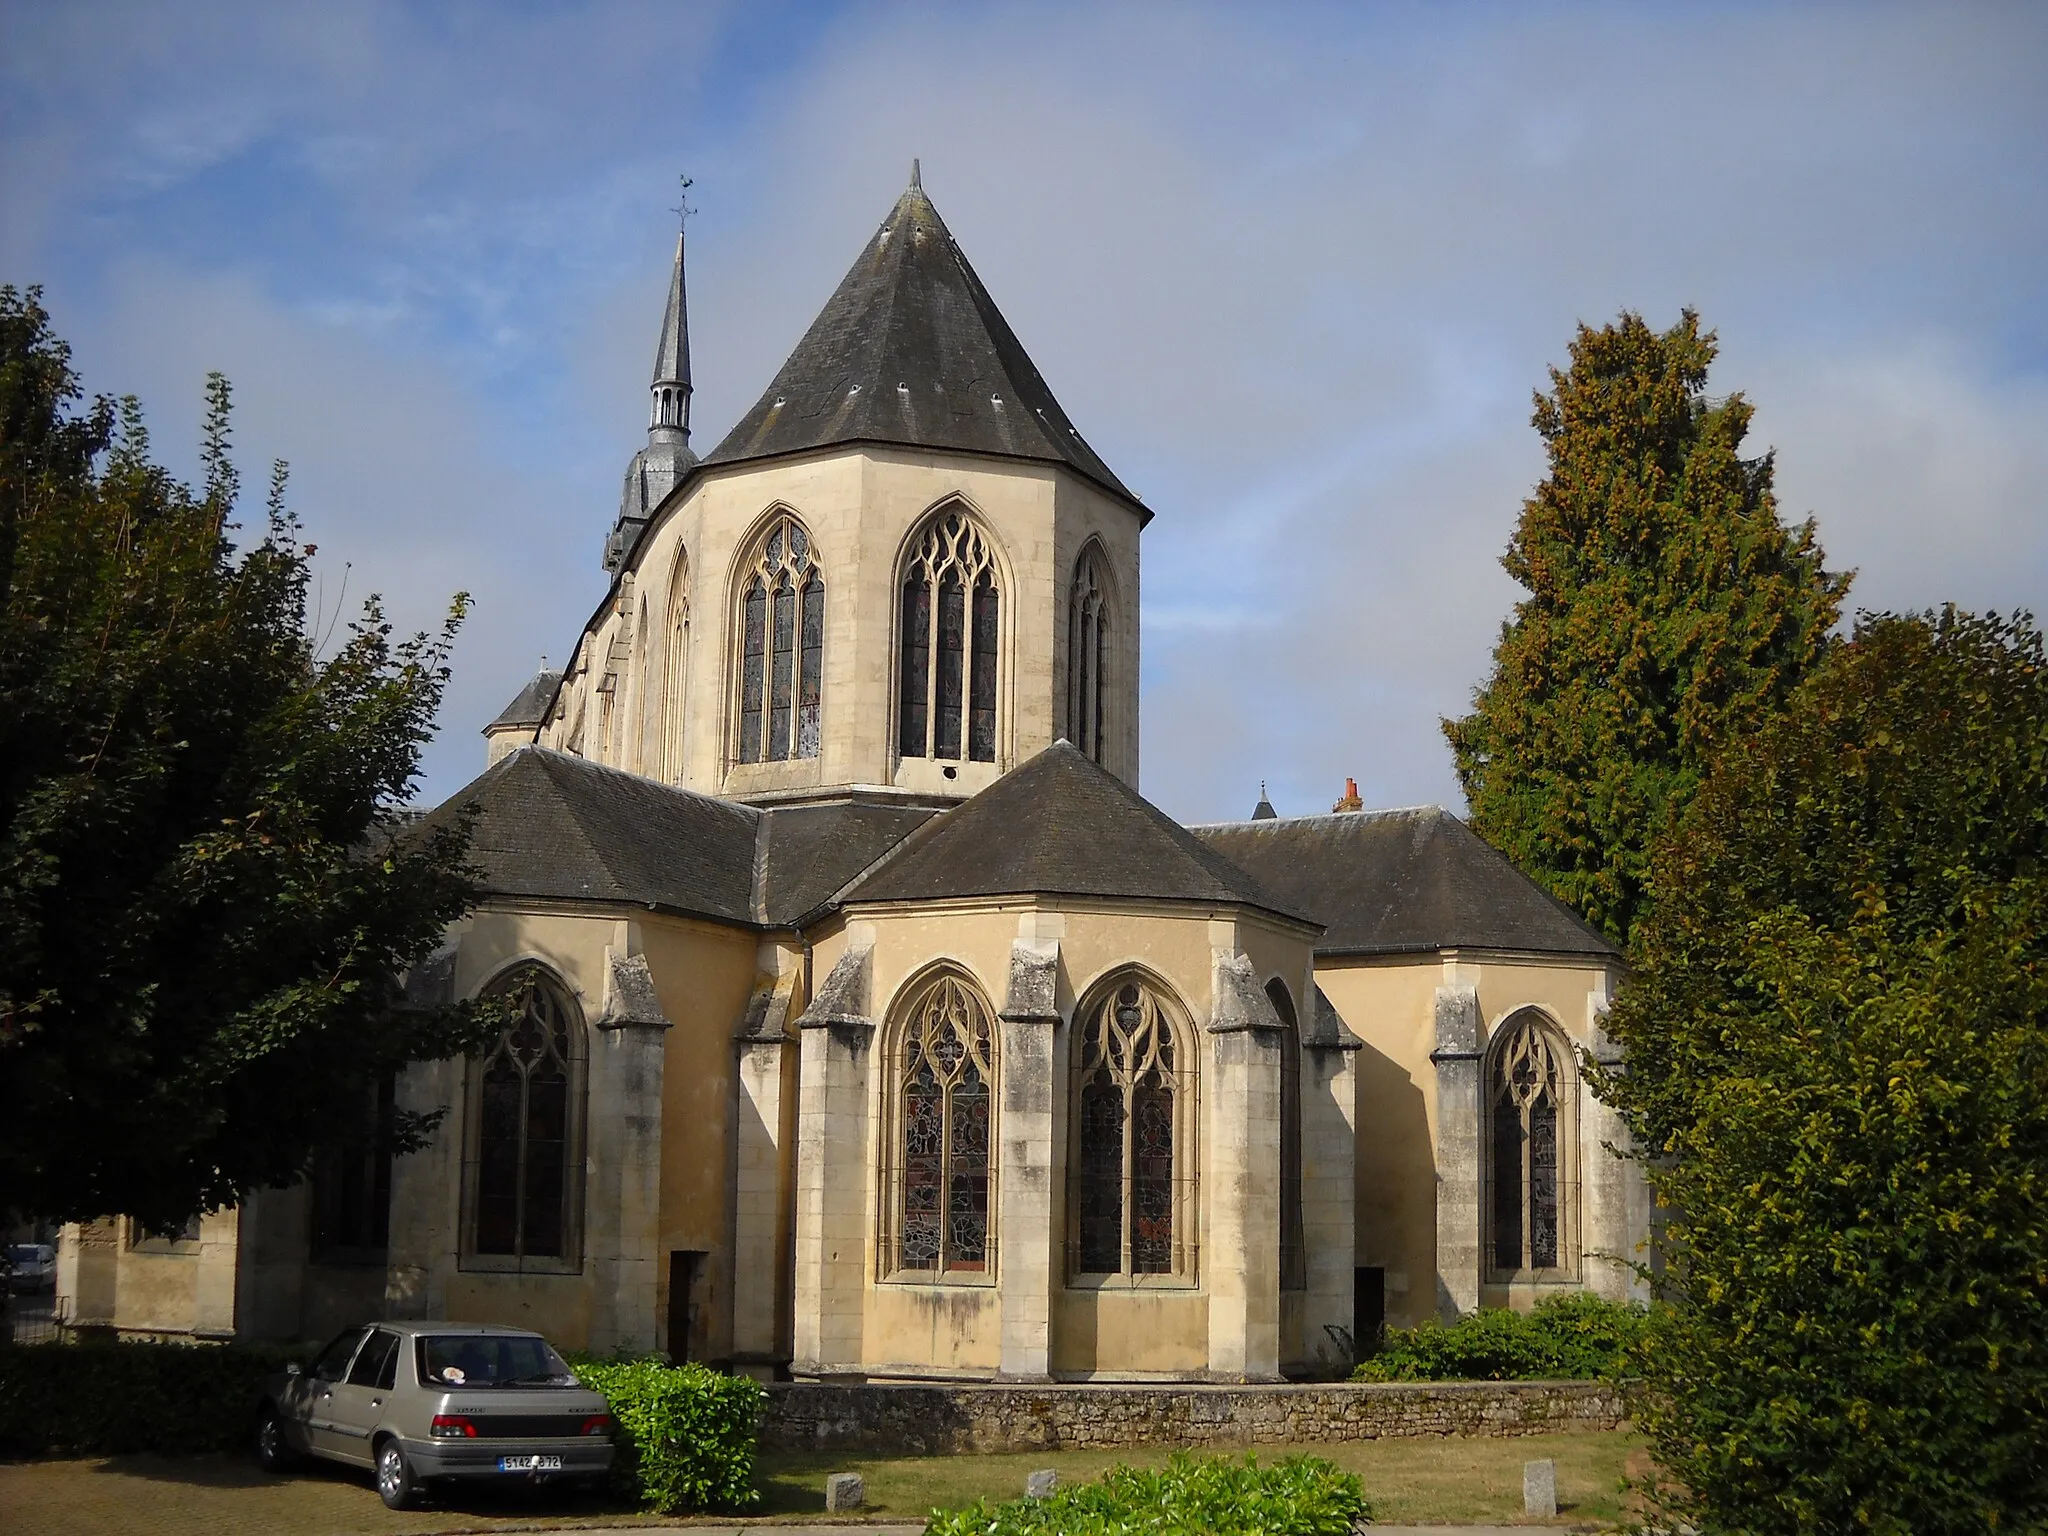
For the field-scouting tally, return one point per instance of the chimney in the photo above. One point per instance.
(1350, 802)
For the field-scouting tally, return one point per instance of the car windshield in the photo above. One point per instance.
(26, 1253)
(490, 1360)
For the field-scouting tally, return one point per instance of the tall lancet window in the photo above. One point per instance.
(1088, 652)
(1133, 1156)
(675, 670)
(525, 1127)
(782, 647)
(1530, 1094)
(945, 1133)
(951, 619)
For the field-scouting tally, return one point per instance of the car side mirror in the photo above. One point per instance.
(292, 1368)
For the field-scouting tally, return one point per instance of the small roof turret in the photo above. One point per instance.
(518, 723)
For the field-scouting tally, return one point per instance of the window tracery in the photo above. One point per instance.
(527, 1115)
(1133, 1153)
(782, 648)
(951, 626)
(945, 1113)
(1529, 1096)
(1088, 652)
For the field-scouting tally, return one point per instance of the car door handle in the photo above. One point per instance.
(376, 1402)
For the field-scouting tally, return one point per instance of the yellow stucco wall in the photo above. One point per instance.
(1389, 1003)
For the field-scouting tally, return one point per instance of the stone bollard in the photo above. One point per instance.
(1539, 1489)
(844, 1491)
(1039, 1485)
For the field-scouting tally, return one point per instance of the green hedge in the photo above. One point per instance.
(1189, 1496)
(686, 1434)
(1570, 1338)
(105, 1399)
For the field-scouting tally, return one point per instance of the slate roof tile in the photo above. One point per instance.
(911, 350)
(1396, 882)
(1061, 825)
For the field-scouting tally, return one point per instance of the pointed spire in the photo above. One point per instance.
(668, 417)
(916, 179)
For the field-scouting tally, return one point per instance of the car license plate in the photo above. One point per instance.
(529, 1463)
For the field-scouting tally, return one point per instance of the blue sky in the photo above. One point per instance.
(1293, 269)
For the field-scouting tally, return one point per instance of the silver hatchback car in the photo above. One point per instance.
(420, 1403)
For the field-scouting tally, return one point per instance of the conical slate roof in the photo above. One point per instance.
(1060, 825)
(911, 350)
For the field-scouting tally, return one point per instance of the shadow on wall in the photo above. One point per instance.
(1396, 1186)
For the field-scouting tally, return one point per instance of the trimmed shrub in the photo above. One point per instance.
(685, 1434)
(107, 1399)
(1567, 1338)
(1189, 1496)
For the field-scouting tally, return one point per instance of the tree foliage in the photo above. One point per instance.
(204, 902)
(1668, 609)
(1837, 1066)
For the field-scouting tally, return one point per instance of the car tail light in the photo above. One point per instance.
(598, 1424)
(452, 1426)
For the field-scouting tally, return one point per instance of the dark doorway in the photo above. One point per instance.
(1369, 1309)
(687, 1272)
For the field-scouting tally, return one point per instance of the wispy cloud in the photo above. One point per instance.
(1294, 271)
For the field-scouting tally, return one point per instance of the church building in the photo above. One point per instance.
(870, 1023)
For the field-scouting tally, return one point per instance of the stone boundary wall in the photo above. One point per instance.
(932, 1419)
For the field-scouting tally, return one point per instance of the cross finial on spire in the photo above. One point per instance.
(916, 180)
(682, 209)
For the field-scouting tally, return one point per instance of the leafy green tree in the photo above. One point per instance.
(1668, 609)
(1837, 1068)
(204, 900)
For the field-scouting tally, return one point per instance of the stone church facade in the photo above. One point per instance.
(869, 1022)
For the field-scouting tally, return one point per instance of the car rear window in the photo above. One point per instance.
(490, 1360)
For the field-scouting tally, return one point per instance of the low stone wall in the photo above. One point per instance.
(932, 1419)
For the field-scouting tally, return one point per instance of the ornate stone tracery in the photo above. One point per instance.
(950, 644)
(1133, 1167)
(945, 1133)
(526, 1118)
(782, 647)
(1530, 1096)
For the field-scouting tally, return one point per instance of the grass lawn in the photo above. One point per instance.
(1473, 1481)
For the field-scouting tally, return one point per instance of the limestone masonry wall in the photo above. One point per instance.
(932, 1420)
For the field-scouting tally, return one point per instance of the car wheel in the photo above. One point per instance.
(274, 1452)
(396, 1484)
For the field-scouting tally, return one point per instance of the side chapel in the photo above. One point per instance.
(871, 1023)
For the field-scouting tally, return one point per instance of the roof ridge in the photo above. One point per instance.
(1368, 815)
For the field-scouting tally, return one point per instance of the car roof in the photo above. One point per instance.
(412, 1326)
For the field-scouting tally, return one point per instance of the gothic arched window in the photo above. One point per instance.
(1530, 1094)
(526, 1124)
(782, 647)
(675, 670)
(950, 631)
(1088, 652)
(1134, 1156)
(1293, 1250)
(945, 1069)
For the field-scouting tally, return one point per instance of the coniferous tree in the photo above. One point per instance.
(1668, 608)
(204, 901)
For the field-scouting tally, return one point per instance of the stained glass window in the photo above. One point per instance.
(1131, 1174)
(1527, 1103)
(946, 1132)
(782, 650)
(913, 689)
(525, 1100)
(951, 645)
(1088, 653)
